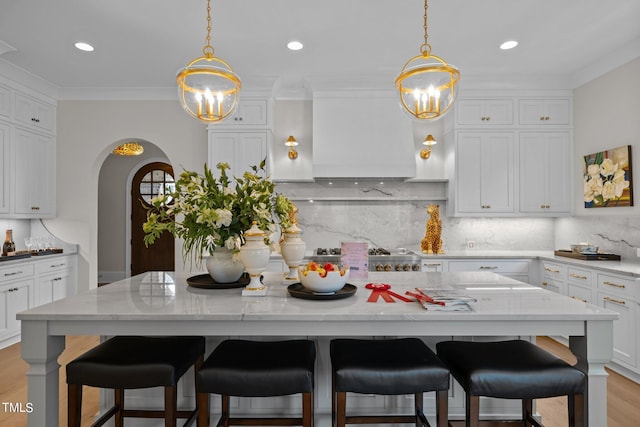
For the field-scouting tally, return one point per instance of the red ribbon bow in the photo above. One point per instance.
(382, 290)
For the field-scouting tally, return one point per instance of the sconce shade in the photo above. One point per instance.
(425, 153)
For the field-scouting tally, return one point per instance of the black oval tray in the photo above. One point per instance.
(298, 291)
(205, 281)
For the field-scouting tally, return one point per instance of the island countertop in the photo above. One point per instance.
(160, 303)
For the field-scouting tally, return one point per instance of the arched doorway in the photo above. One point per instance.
(147, 182)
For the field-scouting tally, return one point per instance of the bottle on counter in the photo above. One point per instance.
(8, 247)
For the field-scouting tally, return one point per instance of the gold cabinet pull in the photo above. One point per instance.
(579, 299)
(488, 267)
(577, 276)
(544, 284)
(606, 282)
(616, 301)
(551, 270)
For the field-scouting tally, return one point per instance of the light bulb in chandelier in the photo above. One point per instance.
(208, 88)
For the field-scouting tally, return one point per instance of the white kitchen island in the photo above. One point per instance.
(162, 304)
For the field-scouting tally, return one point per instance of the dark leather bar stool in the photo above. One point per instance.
(387, 367)
(130, 362)
(245, 368)
(513, 369)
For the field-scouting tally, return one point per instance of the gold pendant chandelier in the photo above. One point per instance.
(207, 86)
(426, 83)
(129, 149)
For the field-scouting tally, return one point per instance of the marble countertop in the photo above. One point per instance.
(163, 296)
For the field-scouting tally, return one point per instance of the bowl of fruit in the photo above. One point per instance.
(323, 279)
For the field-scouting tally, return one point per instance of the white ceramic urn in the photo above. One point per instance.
(292, 249)
(255, 257)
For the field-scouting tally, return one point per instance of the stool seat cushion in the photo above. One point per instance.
(128, 362)
(259, 368)
(386, 367)
(513, 369)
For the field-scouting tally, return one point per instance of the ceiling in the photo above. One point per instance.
(143, 43)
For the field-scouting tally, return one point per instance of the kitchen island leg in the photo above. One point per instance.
(593, 351)
(41, 351)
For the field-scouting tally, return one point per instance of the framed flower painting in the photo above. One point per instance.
(607, 178)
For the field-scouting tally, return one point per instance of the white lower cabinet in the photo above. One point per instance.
(617, 293)
(554, 277)
(31, 282)
(516, 269)
(580, 284)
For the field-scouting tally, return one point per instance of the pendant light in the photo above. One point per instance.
(426, 83)
(207, 86)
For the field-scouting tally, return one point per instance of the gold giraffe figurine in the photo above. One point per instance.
(432, 242)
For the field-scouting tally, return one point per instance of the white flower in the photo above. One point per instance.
(592, 188)
(607, 167)
(593, 170)
(619, 182)
(608, 190)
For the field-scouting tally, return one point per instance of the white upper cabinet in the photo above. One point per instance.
(545, 173)
(556, 111)
(249, 112)
(484, 112)
(34, 175)
(34, 114)
(5, 164)
(240, 150)
(484, 173)
(5, 102)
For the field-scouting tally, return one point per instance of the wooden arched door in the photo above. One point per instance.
(148, 181)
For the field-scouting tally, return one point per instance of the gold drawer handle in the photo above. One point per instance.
(488, 267)
(432, 265)
(551, 270)
(577, 276)
(614, 284)
(617, 301)
(580, 299)
(544, 284)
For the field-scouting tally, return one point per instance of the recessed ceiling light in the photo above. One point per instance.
(508, 45)
(83, 46)
(295, 45)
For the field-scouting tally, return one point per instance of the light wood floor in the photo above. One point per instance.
(623, 403)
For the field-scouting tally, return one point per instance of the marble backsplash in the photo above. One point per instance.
(393, 214)
(613, 234)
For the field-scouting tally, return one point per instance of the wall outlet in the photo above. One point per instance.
(471, 244)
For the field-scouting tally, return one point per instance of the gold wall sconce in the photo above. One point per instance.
(291, 142)
(425, 153)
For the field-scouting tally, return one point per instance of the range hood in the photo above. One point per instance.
(361, 134)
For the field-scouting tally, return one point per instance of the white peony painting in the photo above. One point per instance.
(607, 178)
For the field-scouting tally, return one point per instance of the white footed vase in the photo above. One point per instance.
(292, 249)
(255, 257)
(223, 267)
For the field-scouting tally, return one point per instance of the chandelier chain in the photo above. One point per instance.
(208, 49)
(425, 48)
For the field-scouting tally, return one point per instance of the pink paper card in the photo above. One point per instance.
(356, 256)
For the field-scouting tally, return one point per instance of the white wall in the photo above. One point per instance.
(87, 132)
(606, 115)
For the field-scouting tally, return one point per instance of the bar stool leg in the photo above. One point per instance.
(418, 408)
(74, 405)
(203, 409)
(576, 410)
(170, 406)
(527, 411)
(442, 408)
(224, 419)
(307, 409)
(118, 395)
(473, 411)
(341, 408)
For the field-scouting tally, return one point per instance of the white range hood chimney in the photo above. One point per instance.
(361, 134)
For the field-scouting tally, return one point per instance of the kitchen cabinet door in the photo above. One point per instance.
(544, 111)
(239, 149)
(545, 173)
(484, 112)
(34, 186)
(624, 328)
(14, 298)
(5, 102)
(52, 287)
(5, 164)
(34, 114)
(484, 173)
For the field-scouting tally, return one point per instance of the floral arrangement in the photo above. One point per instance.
(208, 213)
(604, 181)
